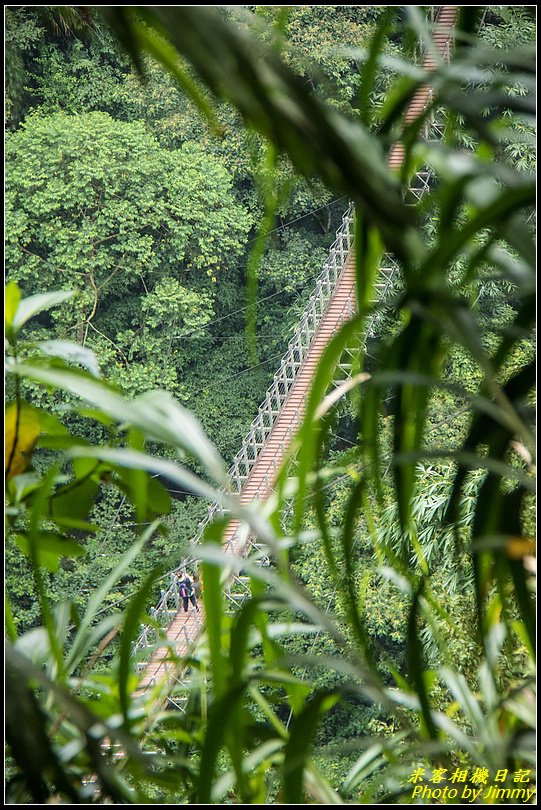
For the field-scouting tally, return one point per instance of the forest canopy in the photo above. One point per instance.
(175, 180)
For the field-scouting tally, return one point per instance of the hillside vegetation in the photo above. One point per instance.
(174, 179)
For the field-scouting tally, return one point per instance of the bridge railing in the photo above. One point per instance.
(255, 439)
(296, 352)
(275, 398)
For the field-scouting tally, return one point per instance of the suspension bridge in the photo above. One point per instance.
(255, 467)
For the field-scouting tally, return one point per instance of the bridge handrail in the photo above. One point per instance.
(292, 359)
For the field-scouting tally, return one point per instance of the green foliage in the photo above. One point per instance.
(85, 77)
(91, 196)
(397, 615)
(99, 206)
(22, 32)
(292, 263)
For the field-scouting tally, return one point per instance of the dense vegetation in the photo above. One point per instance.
(117, 190)
(176, 247)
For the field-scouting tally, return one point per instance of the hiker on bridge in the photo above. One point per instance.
(186, 591)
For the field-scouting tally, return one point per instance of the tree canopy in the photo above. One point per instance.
(377, 644)
(96, 205)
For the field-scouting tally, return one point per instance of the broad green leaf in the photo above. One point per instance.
(70, 522)
(51, 425)
(159, 414)
(169, 470)
(35, 304)
(158, 498)
(72, 353)
(57, 441)
(12, 297)
(146, 492)
(155, 413)
(51, 548)
(75, 500)
(22, 427)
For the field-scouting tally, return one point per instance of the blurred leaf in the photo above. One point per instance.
(156, 413)
(81, 642)
(72, 353)
(12, 297)
(370, 761)
(239, 646)
(484, 430)
(50, 548)
(29, 742)
(159, 500)
(299, 745)
(52, 426)
(74, 501)
(415, 667)
(163, 52)
(219, 720)
(130, 630)
(214, 613)
(143, 461)
(22, 428)
(136, 482)
(339, 391)
(476, 224)
(418, 348)
(370, 68)
(35, 304)
(466, 699)
(519, 547)
(306, 441)
(319, 140)
(85, 721)
(267, 754)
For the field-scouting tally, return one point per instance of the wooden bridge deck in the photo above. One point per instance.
(184, 628)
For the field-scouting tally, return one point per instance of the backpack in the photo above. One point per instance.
(184, 588)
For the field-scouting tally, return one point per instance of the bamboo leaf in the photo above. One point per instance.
(129, 633)
(298, 746)
(415, 667)
(370, 761)
(218, 722)
(319, 141)
(81, 644)
(214, 609)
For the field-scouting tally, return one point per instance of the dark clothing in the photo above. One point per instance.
(186, 591)
(192, 599)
